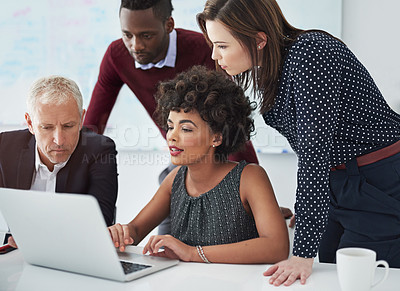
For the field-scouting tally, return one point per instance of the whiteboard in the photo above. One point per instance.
(44, 37)
(69, 37)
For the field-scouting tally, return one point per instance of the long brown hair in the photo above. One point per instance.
(245, 19)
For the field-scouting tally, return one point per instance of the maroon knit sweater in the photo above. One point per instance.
(118, 68)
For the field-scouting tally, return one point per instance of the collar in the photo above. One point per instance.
(170, 58)
(39, 163)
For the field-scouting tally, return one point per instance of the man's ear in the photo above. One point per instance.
(261, 40)
(29, 122)
(169, 25)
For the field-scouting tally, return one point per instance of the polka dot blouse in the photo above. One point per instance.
(330, 110)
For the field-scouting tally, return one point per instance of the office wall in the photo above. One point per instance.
(370, 29)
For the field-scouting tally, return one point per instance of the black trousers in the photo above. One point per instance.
(364, 210)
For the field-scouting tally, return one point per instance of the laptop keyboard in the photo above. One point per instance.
(132, 267)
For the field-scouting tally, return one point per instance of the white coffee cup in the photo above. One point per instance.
(356, 269)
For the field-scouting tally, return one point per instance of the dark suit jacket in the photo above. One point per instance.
(91, 169)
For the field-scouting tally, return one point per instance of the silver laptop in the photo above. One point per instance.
(68, 232)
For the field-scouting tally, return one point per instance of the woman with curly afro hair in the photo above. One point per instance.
(221, 211)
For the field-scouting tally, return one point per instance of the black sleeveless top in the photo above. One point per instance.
(215, 217)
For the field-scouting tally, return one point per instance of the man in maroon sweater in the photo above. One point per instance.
(150, 51)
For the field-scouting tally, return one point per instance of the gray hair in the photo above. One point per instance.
(55, 90)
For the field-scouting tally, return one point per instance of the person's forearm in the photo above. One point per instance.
(133, 233)
(254, 251)
(139, 230)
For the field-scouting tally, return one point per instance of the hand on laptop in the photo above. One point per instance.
(120, 236)
(173, 248)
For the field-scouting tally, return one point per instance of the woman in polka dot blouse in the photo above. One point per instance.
(316, 93)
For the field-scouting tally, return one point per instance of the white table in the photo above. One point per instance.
(15, 274)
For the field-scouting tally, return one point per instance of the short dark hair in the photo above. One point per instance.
(217, 98)
(162, 9)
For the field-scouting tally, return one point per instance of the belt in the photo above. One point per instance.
(373, 157)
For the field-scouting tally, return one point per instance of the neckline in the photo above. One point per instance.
(212, 189)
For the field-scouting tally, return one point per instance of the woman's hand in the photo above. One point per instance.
(290, 270)
(173, 248)
(120, 236)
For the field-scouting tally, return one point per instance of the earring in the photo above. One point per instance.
(259, 47)
(213, 145)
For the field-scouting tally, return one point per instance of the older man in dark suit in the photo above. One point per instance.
(55, 154)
